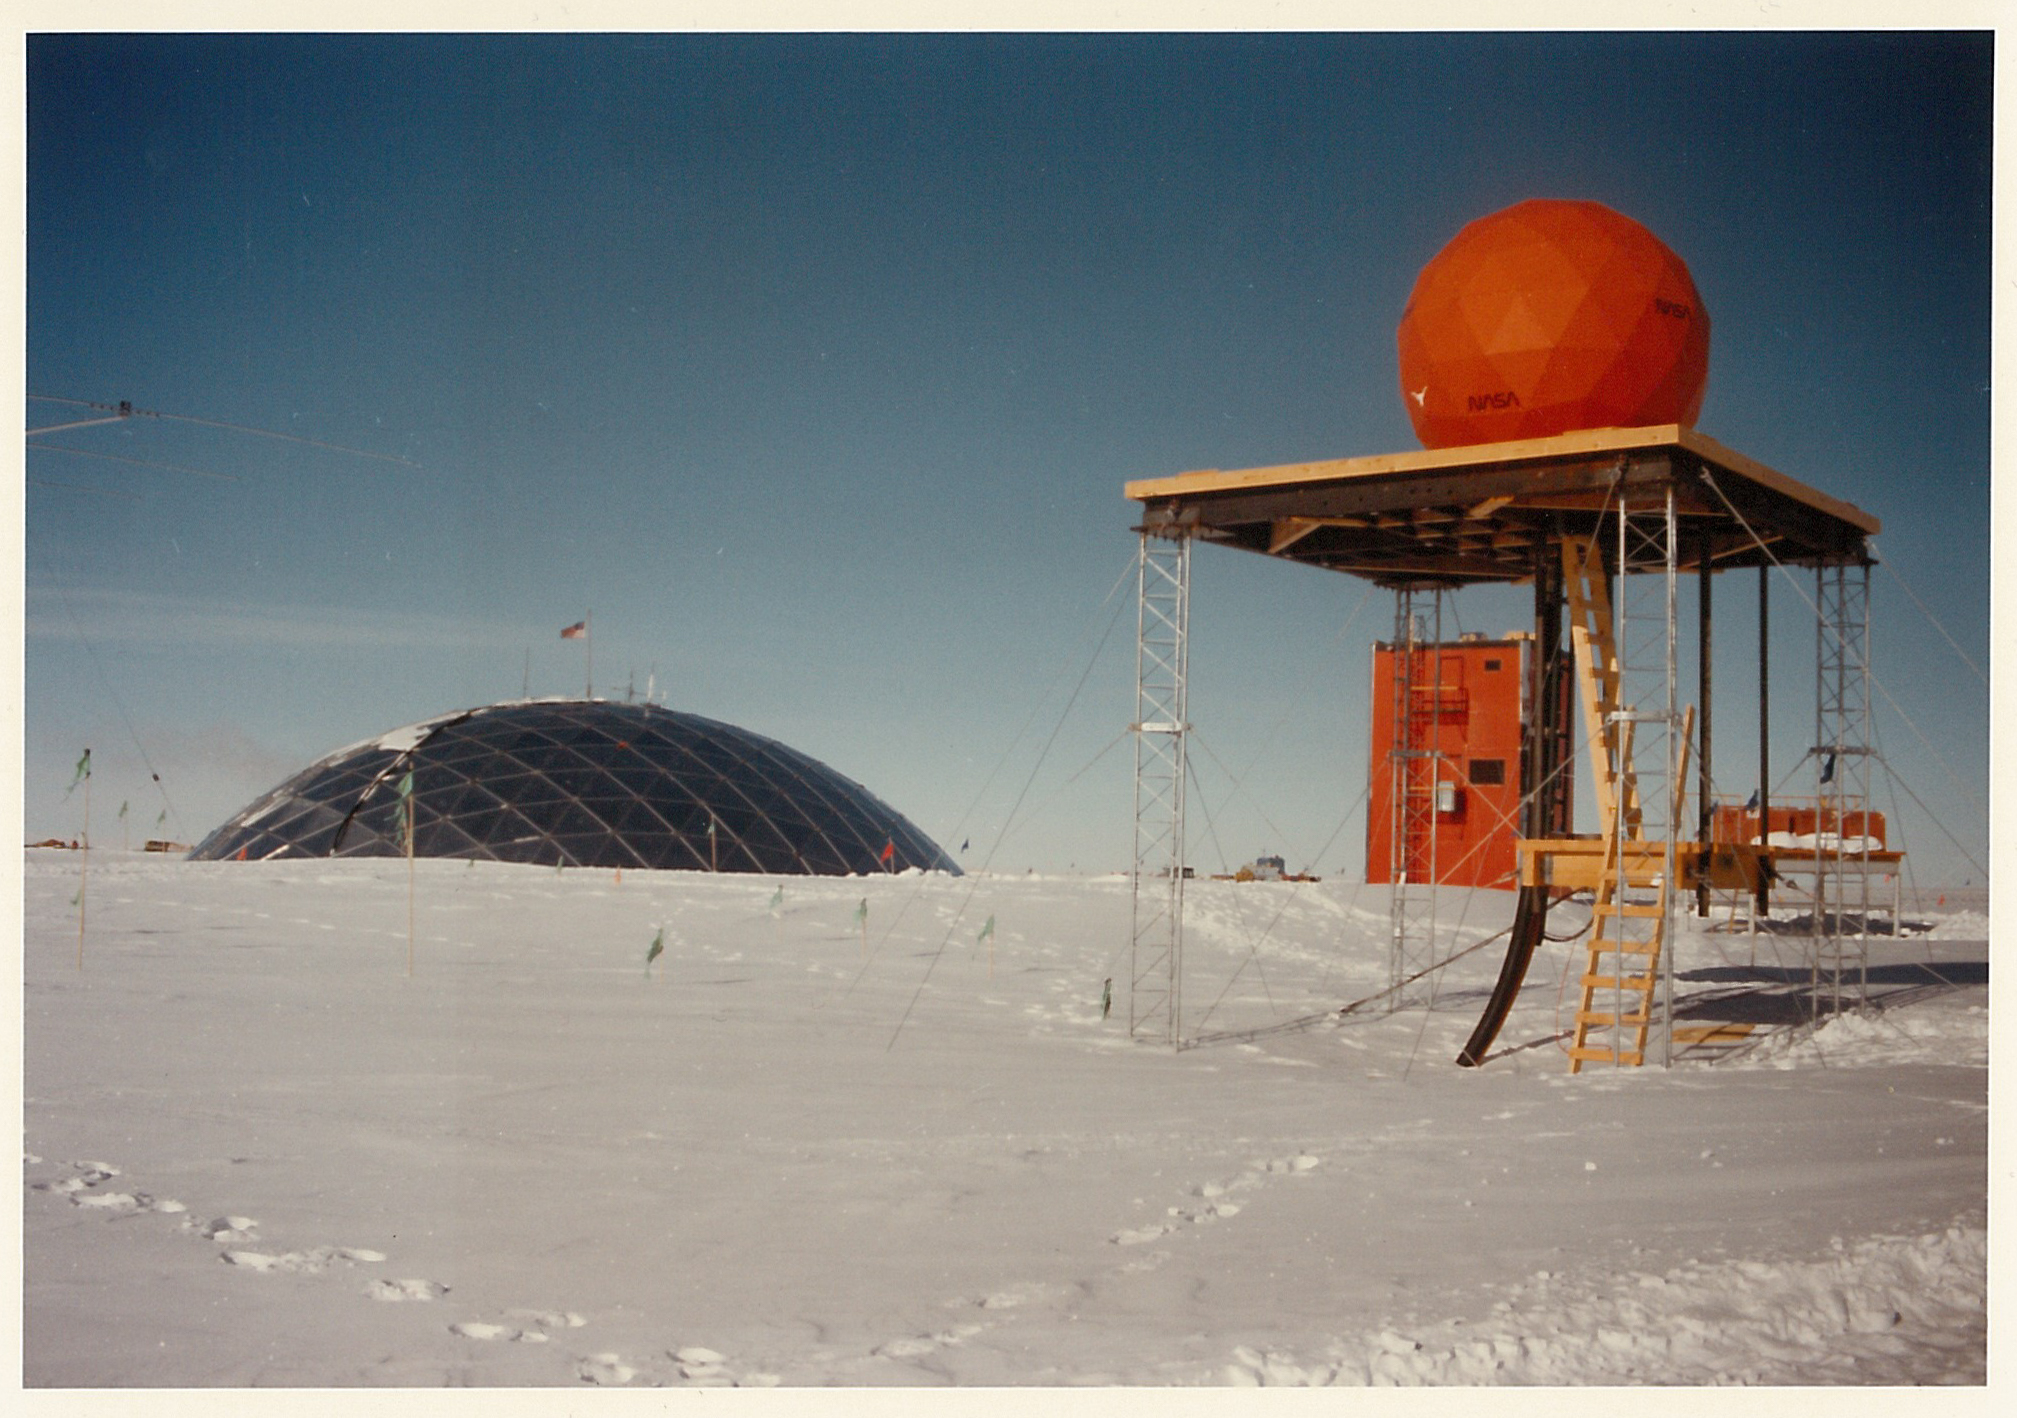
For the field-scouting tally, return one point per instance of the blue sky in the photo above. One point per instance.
(813, 366)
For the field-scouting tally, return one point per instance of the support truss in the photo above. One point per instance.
(1842, 757)
(1162, 633)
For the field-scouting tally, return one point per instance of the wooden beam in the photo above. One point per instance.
(1597, 441)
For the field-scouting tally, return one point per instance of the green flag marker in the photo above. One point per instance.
(657, 949)
(406, 811)
(985, 931)
(1107, 997)
(83, 772)
(777, 901)
(122, 811)
(861, 912)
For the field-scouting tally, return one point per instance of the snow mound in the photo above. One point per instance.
(1849, 1318)
(1881, 1038)
(1962, 925)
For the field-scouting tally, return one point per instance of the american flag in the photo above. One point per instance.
(576, 631)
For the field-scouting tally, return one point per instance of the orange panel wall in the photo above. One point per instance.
(1474, 722)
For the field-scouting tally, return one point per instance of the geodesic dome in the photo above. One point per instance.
(582, 783)
(1551, 316)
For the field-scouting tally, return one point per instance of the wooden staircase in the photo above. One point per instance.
(1634, 889)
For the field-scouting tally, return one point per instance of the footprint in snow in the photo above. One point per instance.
(549, 1319)
(115, 1201)
(917, 1345)
(228, 1228)
(81, 1190)
(309, 1262)
(393, 1291)
(1139, 1235)
(1015, 1296)
(532, 1327)
(1301, 1162)
(606, 1370)
(480, 1329)
(702, 1367)
(1154, 1260)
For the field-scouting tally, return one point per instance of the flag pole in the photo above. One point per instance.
(84, 860)
(406, 809)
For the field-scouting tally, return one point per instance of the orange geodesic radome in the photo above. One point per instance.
(1551, 316)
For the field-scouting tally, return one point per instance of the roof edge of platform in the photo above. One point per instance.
(1577, 443)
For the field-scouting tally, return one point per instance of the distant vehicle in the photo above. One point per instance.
(1267, 868)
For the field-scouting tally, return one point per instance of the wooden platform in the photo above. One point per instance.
(1457, 516)
(1577, 863)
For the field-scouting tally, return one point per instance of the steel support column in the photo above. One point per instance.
(1705, 813)
(1761, 908)
(1162, 654)
(1644, 731)
(1414, 766)
(1842, 789)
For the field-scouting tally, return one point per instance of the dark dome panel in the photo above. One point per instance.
(582, 783)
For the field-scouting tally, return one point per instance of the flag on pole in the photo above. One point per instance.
(888, 851)
(406, 812)
(777, 901)
(657, 949)
(968, 842)
(83, 772)
(122, 811)
(576, 631)
(860, 912)
(1107, 997)
(986, 931)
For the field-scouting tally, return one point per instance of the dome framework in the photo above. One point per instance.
(588, 783)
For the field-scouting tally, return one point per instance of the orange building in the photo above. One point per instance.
(1455, 761)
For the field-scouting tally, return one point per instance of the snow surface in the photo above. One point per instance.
(800, 1152)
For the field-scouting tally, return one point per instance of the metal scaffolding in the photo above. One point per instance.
(1644, 745)
(1414, 768)
(1607, 503)
(1842, 757)
(1162, 633)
